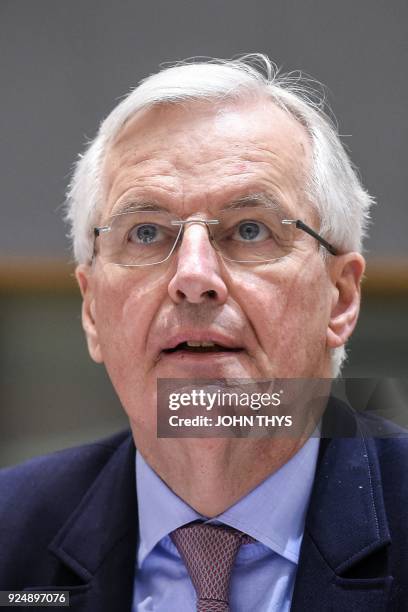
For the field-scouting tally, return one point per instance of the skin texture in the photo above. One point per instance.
(286, 315)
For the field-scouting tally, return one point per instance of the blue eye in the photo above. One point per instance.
(248, 230)
(251, 231)
(145, 233)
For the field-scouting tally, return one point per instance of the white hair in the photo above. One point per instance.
(333, 186)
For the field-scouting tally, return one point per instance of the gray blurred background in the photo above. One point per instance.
(64, 65)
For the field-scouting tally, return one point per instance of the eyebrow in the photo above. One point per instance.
(261, 200)
(137, 205)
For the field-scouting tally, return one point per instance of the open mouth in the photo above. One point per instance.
(201, 347)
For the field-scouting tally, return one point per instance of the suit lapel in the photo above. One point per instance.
(343, 558)
(97, 544)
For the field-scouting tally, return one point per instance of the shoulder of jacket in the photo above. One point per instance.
(64, 473)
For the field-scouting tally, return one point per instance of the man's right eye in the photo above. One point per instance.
(145, 233)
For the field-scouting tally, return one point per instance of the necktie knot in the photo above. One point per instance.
(209, 552)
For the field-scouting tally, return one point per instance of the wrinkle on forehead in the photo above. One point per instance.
(169, 146)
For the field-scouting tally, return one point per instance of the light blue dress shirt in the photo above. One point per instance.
(264, 572)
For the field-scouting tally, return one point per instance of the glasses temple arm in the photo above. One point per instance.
(299, 224)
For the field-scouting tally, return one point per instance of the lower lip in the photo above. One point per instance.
(196, 356)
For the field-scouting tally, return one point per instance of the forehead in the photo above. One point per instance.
(203, 154)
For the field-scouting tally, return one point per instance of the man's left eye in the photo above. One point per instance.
(251, 231)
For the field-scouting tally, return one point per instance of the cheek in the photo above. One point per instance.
(289, 321)
(125, 306)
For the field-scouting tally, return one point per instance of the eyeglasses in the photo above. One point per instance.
(244, 235)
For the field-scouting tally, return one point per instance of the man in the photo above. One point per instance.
(217, 225)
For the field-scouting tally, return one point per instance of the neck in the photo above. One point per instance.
(210, 475)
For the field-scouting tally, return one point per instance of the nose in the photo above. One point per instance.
(197, 278)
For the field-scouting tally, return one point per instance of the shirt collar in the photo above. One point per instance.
(273, 513)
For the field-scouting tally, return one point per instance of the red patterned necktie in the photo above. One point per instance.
(209, 552)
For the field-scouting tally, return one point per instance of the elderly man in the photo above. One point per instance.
(217, 224)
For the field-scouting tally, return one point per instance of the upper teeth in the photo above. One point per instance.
(197, 343)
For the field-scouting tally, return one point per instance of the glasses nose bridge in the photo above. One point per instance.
(183, 223)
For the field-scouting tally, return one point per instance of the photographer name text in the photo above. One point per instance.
(254, 420)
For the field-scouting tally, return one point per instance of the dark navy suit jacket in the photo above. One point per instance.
(68, 521)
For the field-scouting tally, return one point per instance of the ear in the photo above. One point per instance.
(83, 275)
(346, 272)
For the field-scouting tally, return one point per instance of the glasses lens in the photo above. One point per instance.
(139, 238)
(252, 234)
